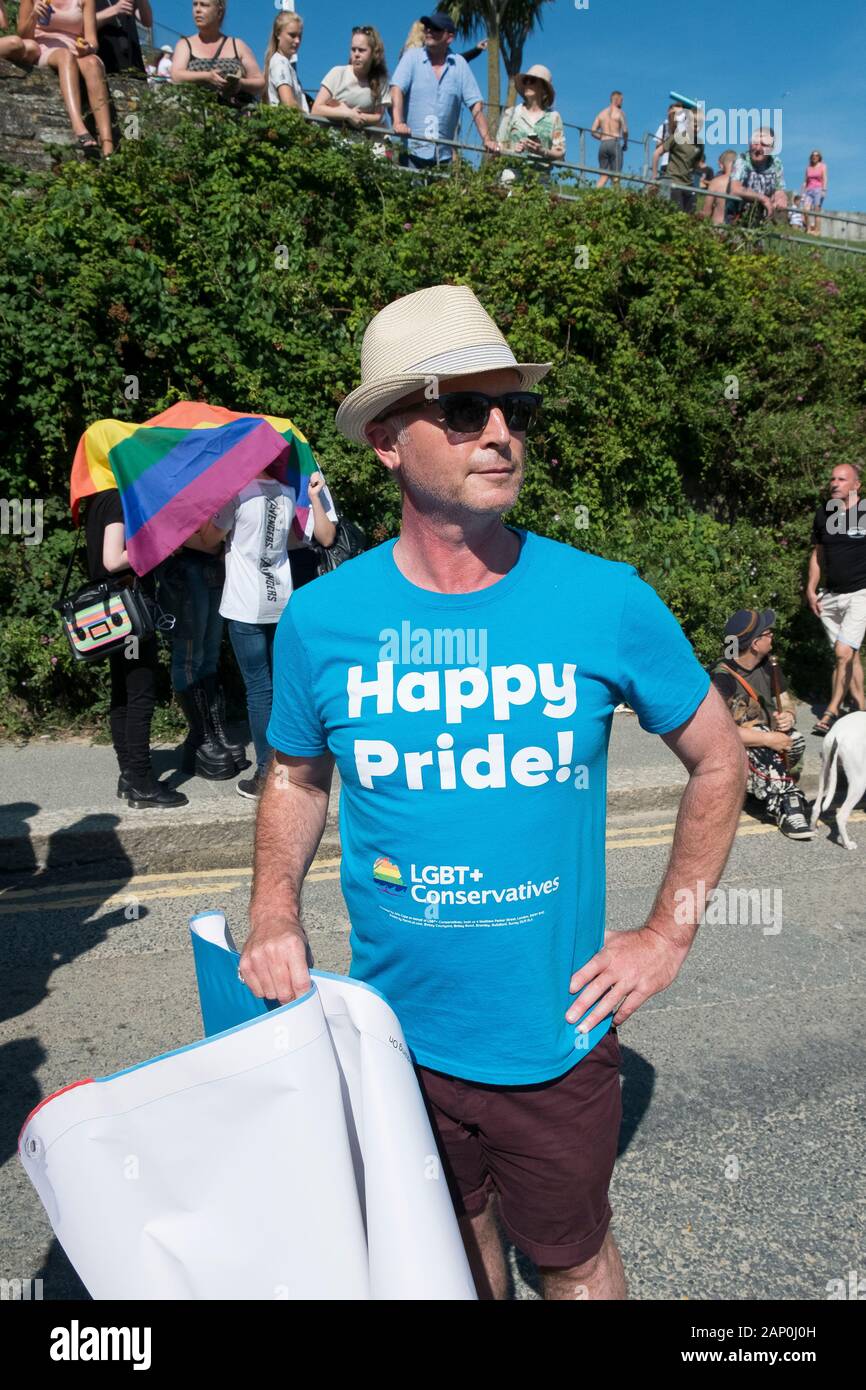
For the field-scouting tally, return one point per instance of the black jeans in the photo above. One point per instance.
(191, 587)
(133, 697)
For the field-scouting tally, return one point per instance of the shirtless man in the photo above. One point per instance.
(719, 209)
(610, 126)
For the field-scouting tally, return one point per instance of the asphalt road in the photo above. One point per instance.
(741, 1155)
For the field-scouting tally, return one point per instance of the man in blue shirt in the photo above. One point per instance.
(464, 680)
(427, 90)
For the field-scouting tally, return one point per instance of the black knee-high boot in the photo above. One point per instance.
(217, 714)
(201, 751)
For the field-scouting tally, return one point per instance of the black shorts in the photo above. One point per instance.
(610, 156)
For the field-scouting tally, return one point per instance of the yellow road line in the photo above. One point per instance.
(197, 874)
(124, 900)
(746, 827)
(175, 885)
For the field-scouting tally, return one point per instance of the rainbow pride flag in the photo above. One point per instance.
(178, 468)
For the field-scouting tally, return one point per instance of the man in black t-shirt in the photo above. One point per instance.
(839, 549)
(774, 747)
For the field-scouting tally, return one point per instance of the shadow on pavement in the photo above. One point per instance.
(35, 940)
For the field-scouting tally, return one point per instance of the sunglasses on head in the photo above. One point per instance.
(467, 412)
(362, 29)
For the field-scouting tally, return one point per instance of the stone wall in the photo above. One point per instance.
(33, 117)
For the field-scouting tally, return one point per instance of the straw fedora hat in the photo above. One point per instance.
(541, 74)
(438, 332)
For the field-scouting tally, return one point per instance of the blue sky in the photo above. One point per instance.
(793, 56)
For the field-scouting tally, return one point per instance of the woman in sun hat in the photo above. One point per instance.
(163, 67)
(533, 127)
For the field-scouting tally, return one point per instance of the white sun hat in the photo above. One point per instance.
(541, 74)
(440, 332)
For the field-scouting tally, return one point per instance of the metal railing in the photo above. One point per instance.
(581, 173)
(585, 171)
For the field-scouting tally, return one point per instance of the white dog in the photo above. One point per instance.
(845, 744)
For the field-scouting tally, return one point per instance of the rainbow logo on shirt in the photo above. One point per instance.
(387, 876)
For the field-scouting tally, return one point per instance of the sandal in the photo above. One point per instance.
(87, 144)
(823, 725)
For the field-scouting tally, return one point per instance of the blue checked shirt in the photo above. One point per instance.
(432, 108)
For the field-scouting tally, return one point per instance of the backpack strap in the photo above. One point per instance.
(66, 580)
(743, 682)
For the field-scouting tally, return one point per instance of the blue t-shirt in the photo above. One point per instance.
(471, 734)
(432, 106)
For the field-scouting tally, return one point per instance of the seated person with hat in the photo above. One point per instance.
(775, 749)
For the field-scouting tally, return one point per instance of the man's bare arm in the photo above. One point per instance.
(711, 750)
(397, 121)
(291, 818)
(634, 965)
(816, 560)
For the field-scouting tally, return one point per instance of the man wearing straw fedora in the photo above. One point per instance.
(463, 678)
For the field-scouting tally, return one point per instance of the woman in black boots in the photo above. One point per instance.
(133, 678)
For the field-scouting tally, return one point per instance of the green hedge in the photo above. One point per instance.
(161, 265)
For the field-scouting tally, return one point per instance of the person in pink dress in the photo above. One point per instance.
(62, 35)
(814, 190)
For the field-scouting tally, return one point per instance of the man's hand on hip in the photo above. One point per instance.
(630, 968)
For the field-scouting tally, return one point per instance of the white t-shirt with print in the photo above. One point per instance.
(258, 581)
(281, 73)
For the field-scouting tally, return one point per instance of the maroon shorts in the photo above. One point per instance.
(547, 1151)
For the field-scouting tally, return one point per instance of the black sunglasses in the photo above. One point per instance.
(467, 412)
(363, 29)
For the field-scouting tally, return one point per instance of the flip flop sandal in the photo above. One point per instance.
(823, 725)
(87, 145)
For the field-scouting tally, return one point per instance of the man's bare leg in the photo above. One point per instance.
(842, 673)
(486, 1254)
(858, 694)
(602, 1277)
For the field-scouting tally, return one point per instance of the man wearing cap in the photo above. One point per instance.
(427, 89)
(743, 676)
(463, 678)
